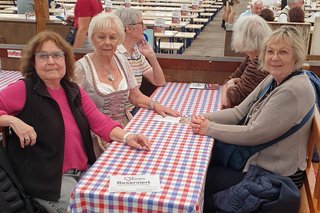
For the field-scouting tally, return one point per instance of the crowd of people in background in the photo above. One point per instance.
(269, 10)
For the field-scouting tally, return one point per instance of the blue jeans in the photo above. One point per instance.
(69, 180)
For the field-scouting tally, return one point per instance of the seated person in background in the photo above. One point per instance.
(284, 14)
(255, 8)
(50, 118)
(289, 98)
(296, 14)
(139, 53)
(106, 75)
(25, 6)
(267, 14)
(84, 10)
(248, 35)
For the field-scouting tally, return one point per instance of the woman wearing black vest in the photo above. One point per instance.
(50, 119)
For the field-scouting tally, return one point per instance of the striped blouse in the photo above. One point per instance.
(250, 76)
(139, 64)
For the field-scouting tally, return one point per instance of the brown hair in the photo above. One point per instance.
(27, 66)
(296, 14)
(267, 14)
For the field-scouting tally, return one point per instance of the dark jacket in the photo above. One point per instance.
(39, 167)
(259, 191)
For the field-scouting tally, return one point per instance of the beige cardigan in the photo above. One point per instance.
(283, 108)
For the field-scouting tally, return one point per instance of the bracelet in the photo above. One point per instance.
(124, 139)
(152, 103)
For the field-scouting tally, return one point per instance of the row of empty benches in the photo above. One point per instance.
(177, 36)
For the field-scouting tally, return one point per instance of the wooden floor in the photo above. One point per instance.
(210, 41)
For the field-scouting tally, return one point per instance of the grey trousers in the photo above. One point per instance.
(68, 183)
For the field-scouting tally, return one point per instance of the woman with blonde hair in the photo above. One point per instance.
(107, 76)
(283, 100)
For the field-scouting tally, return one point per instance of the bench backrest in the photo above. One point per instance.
(303, 28)
(312, 180)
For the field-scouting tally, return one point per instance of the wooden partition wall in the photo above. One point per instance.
(21, 31)
(176, 68)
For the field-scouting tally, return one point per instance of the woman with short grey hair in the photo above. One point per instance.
(137, 50)
(128, 16)
(249, 32)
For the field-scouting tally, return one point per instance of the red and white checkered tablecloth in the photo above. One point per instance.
(8, 77)
(177, 155)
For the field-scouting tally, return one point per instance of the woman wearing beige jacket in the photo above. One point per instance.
(287, 101)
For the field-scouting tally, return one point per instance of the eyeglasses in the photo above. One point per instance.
(44, 56)
(141, 22)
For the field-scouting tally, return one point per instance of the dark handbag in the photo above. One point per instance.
(71, 35)
(13, 198)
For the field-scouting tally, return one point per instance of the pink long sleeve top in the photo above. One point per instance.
(12, 100)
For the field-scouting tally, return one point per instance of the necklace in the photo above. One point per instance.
(110, 76)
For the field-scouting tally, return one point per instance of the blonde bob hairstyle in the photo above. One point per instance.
(287, 35)
(103, 22)
(249, 33)
(27, 66)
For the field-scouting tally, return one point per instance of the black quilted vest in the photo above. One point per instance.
(39, 167)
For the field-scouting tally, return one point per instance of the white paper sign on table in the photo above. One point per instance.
(134, 183)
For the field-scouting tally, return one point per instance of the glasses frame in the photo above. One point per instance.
(61, 55)
(141, 23)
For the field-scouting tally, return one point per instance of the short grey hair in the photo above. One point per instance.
(260, 2)
(290, 35)
(128, 15)
(102, 22)
(249, 32)
(293, 1)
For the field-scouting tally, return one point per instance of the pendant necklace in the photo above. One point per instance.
(110, 76)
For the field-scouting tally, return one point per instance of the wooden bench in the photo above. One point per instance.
(207, 15)
(211, 10)
(310, 192)
(200, 20)
(6, 12)
(218, 5)
(197, 28)
(8, 2)
(171, 47)
(186, 37)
